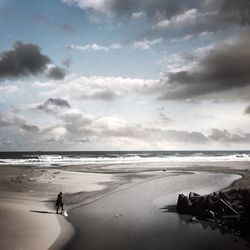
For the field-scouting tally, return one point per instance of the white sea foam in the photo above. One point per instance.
(123, 158)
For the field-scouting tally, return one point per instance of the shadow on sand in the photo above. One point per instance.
(169, 209)
(42, 212)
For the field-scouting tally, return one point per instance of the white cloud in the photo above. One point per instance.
(184, 19)
(98, 5)
(95, 87)
(9, 89)
(95, 46)
(183, 38)
(53, 134)
(173, 63)
(146, 44)
(206, 35)
(137, 15)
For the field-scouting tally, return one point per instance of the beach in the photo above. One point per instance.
(113, 206)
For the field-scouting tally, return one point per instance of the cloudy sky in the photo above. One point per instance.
(124, 74)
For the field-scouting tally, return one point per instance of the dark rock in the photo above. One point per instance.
(230, 210)
(198, 207)
(193, 196)
(184, 205)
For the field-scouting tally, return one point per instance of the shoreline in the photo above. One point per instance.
(121, 180)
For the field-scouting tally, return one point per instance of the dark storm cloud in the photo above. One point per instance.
(167, 8)
(231, 10)
(53, 102)
(224, 10)
(227, 12)
(23, 59)
(223, 68)
(55, 73)
(154, 8)
(173, 18)
(209, 12)
(203, 16)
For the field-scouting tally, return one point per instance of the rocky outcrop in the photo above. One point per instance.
(230, 209)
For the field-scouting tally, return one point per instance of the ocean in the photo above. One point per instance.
(63, 158)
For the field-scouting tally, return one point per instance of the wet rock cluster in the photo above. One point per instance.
(230, 209)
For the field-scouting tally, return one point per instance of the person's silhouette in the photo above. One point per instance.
(59, 203)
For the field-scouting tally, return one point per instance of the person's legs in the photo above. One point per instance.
(61, 207)
(57, 209)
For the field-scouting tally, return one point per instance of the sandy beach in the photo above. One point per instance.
(27, 223)
(122, 208)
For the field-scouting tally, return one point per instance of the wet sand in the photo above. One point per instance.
(142, 217)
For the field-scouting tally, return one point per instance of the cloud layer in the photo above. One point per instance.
(76, 127)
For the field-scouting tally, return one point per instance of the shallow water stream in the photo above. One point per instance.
(142, 217)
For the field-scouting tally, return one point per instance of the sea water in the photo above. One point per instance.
(63, 158)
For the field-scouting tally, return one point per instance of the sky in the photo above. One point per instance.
(124, 75)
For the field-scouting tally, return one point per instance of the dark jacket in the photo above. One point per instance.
(59, 200)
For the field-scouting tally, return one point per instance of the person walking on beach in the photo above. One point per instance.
(59, 203)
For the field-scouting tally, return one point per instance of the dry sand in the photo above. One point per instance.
(24, 229)
(27, 213)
